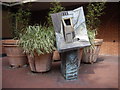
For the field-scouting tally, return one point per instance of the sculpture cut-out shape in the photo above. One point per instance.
(70, 29)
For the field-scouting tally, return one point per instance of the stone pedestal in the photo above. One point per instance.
(70, 64)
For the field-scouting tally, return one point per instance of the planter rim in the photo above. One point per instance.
(10, 43)
(98, 41)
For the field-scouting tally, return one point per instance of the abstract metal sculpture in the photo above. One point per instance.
(71, 34)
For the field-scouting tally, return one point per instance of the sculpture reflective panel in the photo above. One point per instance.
(70, 29)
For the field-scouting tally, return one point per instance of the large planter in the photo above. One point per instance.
(40, 63)
(14, 53)
(56, 55)
(91, 55)
(1, 49)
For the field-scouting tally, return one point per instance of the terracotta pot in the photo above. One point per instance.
(91, 55)
(14, 53)
(56, 55)
(1, 48)
(2, 51)
(9, 42)
(40, 63)
(80, 52)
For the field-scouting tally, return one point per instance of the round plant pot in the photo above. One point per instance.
(56, 55)
(1, 48)
(15, 54)
(80, 52)
(40, 63)
(91, 55)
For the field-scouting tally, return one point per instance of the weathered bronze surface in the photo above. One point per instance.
(70, 64)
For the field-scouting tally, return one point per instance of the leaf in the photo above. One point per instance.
(40, 38)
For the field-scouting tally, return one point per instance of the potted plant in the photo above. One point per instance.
(94, 11)
(18, 21)
(38, 43)
(54, 8)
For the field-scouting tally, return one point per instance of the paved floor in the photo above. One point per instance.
(103, 74)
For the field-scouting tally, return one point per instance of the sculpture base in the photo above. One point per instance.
(70, 64)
